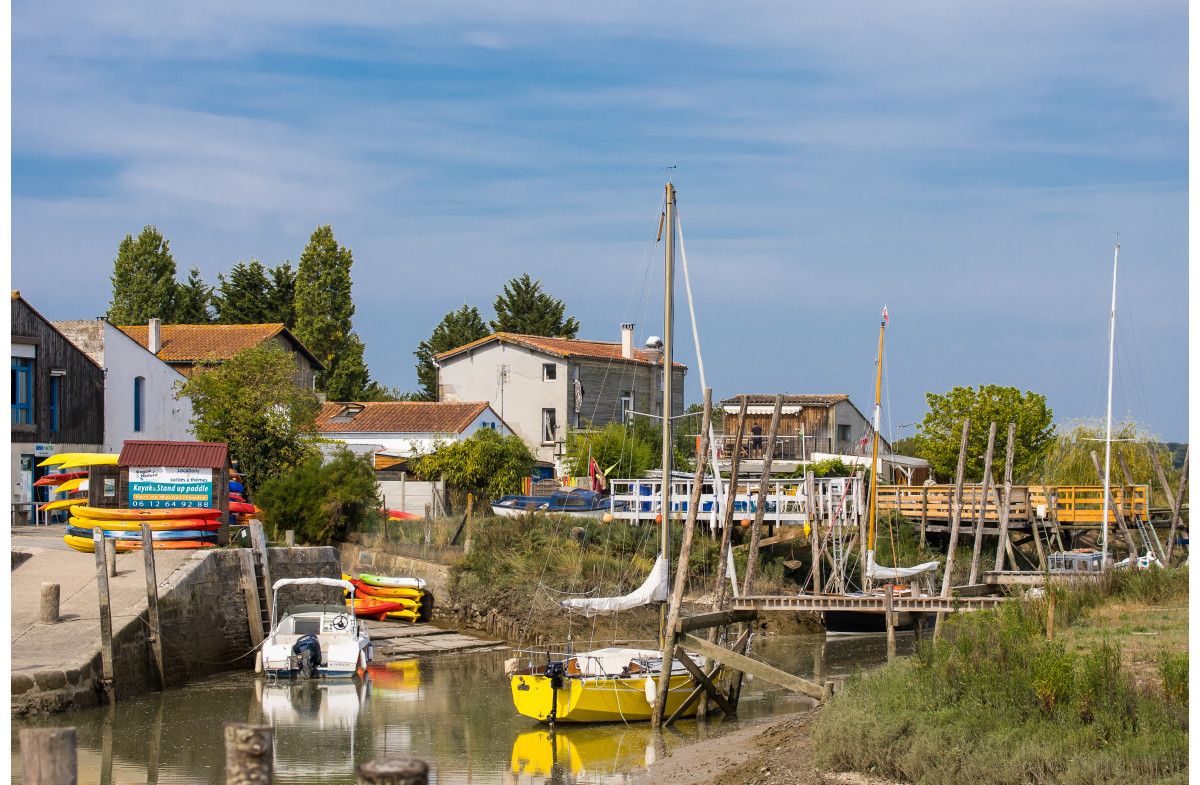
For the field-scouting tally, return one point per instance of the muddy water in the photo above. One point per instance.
(454, 712)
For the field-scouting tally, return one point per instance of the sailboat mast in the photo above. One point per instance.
(875, 446)
(668, 346)
(1112, 333)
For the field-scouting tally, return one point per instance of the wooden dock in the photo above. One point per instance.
(1072, 507)
(821, 603)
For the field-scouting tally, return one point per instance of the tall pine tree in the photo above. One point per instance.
(143, 280)
(456, 329)
(281, 297)
(324, 308)
(243, 297)
(193, 299)
(525, 309)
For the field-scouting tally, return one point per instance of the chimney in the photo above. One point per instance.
(155, 336)
(627, 340)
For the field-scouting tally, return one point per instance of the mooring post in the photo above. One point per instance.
(814, 527)
(955, 519)
(106, 647)
(889, 613)
(428, 523)
(981, 521)
(393, 771)
(48, 756)
(48, 613)
(249, 754)
(155, 634)
(110, 556)
(1006, 502)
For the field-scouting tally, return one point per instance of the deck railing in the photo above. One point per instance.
(1076, 505)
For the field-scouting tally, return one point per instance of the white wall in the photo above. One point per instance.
(407, 445)
(163, 416)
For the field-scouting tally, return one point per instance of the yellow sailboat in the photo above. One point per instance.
(616, 684)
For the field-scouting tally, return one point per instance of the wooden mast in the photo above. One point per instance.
(874, 455)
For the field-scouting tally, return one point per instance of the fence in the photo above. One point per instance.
(1077, 505)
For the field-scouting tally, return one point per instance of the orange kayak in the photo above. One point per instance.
(124, 515)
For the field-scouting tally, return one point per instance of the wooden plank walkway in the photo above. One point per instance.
(810, 602)
(398, 640)
(1079, 506)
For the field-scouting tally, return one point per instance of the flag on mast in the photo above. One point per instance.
(885, 316)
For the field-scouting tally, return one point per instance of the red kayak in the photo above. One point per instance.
(243, 507)
(59, 479)
(376, 609)
(401, 515)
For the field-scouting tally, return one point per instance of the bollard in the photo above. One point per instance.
(110, 556)
(49, 610)
(289, 538)
(393, 771)
(48, 756)
(249, 754)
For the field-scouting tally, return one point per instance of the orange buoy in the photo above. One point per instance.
(607, 518)
(745, 523)
(658, 518)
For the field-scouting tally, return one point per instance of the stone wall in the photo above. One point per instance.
(205, 630)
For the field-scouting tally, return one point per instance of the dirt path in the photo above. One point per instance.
(779, 750)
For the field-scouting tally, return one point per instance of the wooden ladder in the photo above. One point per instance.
(257, 580)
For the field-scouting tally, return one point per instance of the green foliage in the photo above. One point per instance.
(940, 433)
(456, 329)
(1173, 670)
(620, 449)
(193, 300)
(253, 404)
(347, 378)
(1069, 460)
(908, 446)
(830, 467)
(322, 500)
(523, 308)
(281, 295)
(243, 297)
(486, 464)
(143, 280)
(324, 308)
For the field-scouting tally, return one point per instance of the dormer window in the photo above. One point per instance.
(348, 413)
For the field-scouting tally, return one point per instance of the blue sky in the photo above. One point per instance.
(966, 163)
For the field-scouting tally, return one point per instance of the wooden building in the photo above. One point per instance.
(57, 400)
(808, 425)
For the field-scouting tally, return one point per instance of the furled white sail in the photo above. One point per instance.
(877, 573)
(653, 590)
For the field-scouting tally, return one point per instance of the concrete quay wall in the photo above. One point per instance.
(204, 630)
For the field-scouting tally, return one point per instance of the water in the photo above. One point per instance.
(455, 712)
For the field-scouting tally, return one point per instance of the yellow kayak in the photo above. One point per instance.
(78, 484)
(90, 459)
(126, 515)
(61, 504)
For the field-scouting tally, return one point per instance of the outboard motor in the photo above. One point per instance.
(555, 671)
(306, 653)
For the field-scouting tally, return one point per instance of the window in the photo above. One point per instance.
(626, 404)
(549, 426)
(138, 401)
(843, 433)
(54, 383)
(22, 390)
(549, 372)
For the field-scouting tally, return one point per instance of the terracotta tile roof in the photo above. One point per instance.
(802, 400)
(194, 455)
(559, 347)
(399, 417)
(189, 343)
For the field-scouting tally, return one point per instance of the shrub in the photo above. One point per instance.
(322, 500)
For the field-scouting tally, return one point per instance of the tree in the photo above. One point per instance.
(322, 499)
(243, 297)
(525, 309)
(486, 464)
(457, 328)
(619, 449)
(281, 296)
(143, 280)
(252, 403)
(324, 308)
(1069, 459)
(939, 434)
(349, 378)
(193, 299)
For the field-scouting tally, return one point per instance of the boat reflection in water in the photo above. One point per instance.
(595, 754)
(316, 714)
(400, 680)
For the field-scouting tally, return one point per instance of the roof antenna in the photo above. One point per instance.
(671, 169)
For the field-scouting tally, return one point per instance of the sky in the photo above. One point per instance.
(966, 164)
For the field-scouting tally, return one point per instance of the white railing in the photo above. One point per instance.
(786, 502)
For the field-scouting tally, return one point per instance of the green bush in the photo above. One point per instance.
(487, 464)
(322, 500)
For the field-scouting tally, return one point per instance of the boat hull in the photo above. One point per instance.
(599, 698)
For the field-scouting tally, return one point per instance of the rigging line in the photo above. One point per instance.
(1133, 335)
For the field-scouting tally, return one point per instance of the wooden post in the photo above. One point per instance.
(814, 524)
(403, 483)
(1050, 615)
(110, 556)
(956, 514)
(889, 615)
(106, 646)
(1133, 553)
(1175, 501)
(154, 635)
(981, 519)
(249, 754)
(250, 594)
(685, 549)
(730, 500)
(48, 611)
(1154, 543)
(756, 528)
(1006, 502)
(395, 771)
(924, 515)
(48, 756)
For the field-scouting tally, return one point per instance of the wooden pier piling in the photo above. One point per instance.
(48, 755)
(956, 517)
(393, 771)
(249, 754)
(152, 635)
(106, 644)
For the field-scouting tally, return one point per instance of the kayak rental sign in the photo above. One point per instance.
(164, 487)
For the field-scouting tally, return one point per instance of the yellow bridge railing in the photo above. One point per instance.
(1073, 505)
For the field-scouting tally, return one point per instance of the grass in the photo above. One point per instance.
(994, 701)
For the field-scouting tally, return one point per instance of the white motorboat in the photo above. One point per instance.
(313, 641)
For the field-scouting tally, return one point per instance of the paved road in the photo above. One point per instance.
(76, 638)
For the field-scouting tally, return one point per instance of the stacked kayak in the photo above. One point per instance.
(170, 529)
(383, 597)
(69, 477)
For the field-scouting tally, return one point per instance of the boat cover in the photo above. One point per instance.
(605, 662)
(878, 573)
(338, 582)
(653, 590)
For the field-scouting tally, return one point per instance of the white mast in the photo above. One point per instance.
(1112, 332)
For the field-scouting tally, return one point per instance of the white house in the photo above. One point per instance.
(139, 388)
(400, 429)
(543, 385)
